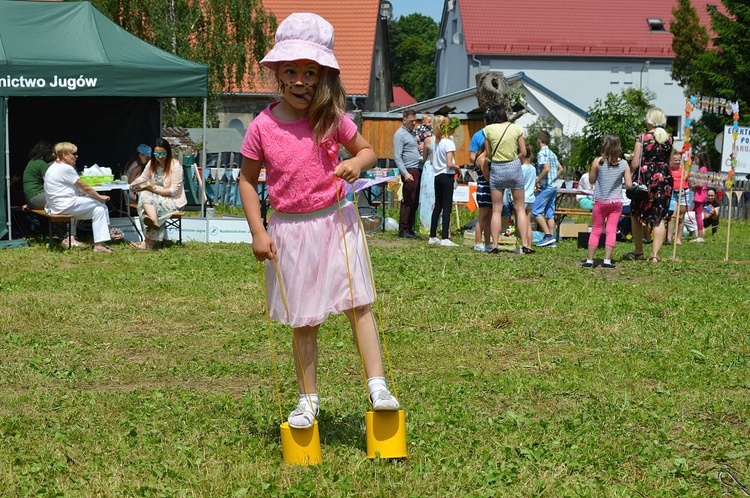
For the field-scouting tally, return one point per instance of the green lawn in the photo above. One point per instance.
(150, 374)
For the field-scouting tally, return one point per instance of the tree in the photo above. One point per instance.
(725, 70)
(559, 143)
(689, 40)
(230, 36)
(720, 71)
(618, 114)
(412, 45)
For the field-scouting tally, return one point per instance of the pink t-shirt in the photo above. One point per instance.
(299, 173)
(700, 194)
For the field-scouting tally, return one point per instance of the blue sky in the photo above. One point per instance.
(430, 8)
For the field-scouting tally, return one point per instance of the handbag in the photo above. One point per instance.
(488, 160)
(638, 192)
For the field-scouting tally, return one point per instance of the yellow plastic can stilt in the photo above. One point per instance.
(386, 434)
(301, 446)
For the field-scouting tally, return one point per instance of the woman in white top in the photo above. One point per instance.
(62, 189)
(443, 160)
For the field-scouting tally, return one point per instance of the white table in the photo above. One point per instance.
(124, 187)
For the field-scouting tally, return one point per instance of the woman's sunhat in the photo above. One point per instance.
(303, 36)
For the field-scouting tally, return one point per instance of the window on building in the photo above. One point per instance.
(628, 78)
(454, 27)
(656, 25)
(614, 77)
(673, 126)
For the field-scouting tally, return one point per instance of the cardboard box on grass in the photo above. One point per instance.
(570, 230)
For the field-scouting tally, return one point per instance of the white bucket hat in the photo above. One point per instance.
(303, 35)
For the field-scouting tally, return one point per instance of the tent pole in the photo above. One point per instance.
(9, 221)
(202, 187)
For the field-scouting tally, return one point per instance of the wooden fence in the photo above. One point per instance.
(378, 129)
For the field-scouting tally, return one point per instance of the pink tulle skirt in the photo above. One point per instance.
(313, 251)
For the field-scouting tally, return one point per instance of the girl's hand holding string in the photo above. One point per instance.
(348, 170)
(263, 247)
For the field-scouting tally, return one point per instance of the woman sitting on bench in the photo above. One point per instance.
(61, 189)
(161, 193)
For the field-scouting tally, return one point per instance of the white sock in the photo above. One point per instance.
(590, 261)
(305, 399)
(607, 261)
(375, 384)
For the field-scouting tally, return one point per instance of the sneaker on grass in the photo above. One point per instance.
(479, 247)
(448, 243)
(546, 240)
(433, 240)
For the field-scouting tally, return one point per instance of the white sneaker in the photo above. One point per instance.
(479, 247)
(433, 240)
(384, 401)
(448, 243)
(698, 240)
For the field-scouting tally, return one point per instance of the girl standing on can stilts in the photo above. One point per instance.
(297, 140)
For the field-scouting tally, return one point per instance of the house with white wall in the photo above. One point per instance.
(540, 101)
(578, 50)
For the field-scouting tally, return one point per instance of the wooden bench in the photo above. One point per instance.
(563, 212)
(53, 219)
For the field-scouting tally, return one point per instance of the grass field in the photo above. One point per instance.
(150, 374)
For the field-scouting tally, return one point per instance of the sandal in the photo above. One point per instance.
(654, 259)
(103, 249)
(634, 256)
(303, 416)
(116, 234)
(71, 243)
(384, 401)
(141, 246)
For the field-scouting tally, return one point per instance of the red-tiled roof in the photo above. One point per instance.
(354, 25)
(571, 27)
(401, 98)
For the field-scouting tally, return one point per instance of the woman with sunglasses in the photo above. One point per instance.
(161, 193)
